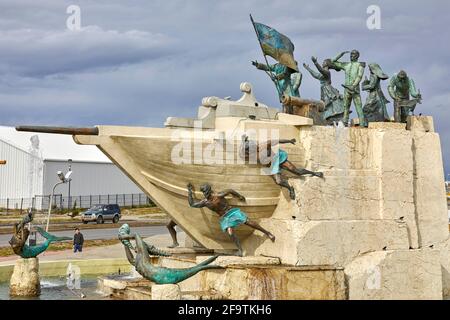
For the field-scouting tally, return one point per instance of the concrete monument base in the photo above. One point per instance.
(166, 292)
(380, 207)
(25, 281)
(400, 275)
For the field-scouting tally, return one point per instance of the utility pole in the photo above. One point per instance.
(63, 179)
(69, 203)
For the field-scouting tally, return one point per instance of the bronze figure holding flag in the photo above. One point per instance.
(285, 73)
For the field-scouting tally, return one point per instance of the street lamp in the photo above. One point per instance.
(64, 179)
(69, 203)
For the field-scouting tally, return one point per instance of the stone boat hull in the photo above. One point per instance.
(146, 156)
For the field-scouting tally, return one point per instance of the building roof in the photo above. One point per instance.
(53, 146)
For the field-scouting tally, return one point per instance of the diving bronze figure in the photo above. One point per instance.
(278, 160)
(230, 217)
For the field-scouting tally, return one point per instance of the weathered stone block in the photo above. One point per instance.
(353, 196)
(429, 190)
(225, 261)
(276, 282)
(444, 250)
(337, 148)
(400, 274)
(326, 242)
(394, 162)
(387, 125)
(25, 281)
(420, 123)
(166, 292)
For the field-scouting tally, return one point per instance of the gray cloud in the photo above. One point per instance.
(137, 62)
(33, 52)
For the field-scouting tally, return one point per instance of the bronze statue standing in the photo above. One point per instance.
(332, 99)
(401, 88)
(354, 71)
(375, 107)
(286, 80)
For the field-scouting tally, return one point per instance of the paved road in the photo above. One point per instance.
(93, 234)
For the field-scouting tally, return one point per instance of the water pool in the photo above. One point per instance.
(55, 288)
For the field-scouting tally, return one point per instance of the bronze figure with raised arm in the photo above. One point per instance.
(354, 71)
(230, 217)
(334, 103)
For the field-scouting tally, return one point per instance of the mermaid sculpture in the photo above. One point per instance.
(144, 266)
(20, 237)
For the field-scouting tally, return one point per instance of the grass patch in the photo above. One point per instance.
(141, 211)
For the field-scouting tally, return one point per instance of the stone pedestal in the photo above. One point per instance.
(166, 292)
(191, 243)
(25, 280)
(399, 274)
(420, 123)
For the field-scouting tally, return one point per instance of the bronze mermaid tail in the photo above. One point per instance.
(161, 275)
(34, 251)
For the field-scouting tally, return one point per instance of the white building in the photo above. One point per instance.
(32, 161)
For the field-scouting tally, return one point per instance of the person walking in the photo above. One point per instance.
(78, 241)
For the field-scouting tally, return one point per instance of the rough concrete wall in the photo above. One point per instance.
(429, 189)
(399, 274)
(383, 191)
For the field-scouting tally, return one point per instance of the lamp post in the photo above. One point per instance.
(64, 179)
(69, 201)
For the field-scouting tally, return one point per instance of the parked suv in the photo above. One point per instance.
(102, 213)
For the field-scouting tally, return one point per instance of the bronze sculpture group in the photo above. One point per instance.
(337, 107)
(287, 80)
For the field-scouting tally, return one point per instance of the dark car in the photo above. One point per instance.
(101, 213)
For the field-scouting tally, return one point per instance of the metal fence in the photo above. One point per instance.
(80, 202)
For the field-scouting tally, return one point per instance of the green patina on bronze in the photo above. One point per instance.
(375, 107)
(144, 266)
(401, 88)
(20, 237)
(332, 99)
(285, 73)
(288, 80)
(354, 71)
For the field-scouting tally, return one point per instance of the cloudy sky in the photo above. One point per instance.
(138, 62)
